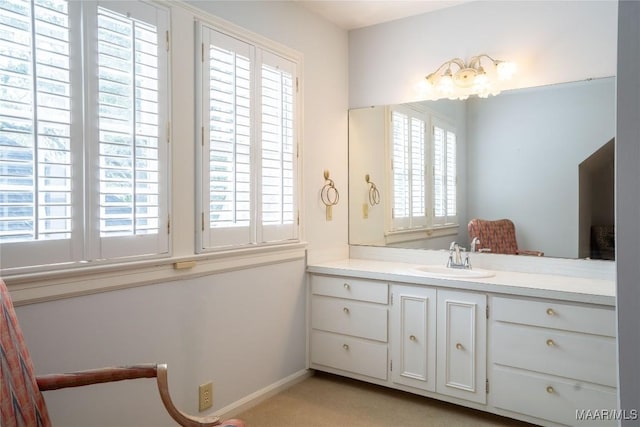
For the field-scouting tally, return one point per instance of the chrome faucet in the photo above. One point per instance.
(457, 251)
(474, 244)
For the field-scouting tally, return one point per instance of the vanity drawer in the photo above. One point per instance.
(584, 357)
(356, 289)
(551, 314)
(349, 354)
(349, 317)
(550, 398)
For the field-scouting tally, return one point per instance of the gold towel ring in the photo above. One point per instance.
(329, 193)
(374, 193)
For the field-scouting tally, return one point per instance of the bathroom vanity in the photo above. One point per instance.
(530, 346)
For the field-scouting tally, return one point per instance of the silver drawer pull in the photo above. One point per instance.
(345, 310)
(347, 286)
(459, 346)
(412, 337)
(550, 312)
(550, 343)
(345, 346)
(550, 390)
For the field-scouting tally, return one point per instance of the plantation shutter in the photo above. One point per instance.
(37, 223)
(131, 129)
(249, 144)
(278, 147)
(408, 163)
(226, 127)
(444, 174)
(452, 180)
(400, 167)
(418, 189)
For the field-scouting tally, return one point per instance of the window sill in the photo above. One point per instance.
(399, 236)
(30, 288)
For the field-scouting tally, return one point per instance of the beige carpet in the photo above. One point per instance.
(328, 400)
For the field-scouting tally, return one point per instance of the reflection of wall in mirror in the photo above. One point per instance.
(525, 148)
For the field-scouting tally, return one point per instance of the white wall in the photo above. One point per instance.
(628, 207)
(550, 41)
(525, 148)
(244, 329)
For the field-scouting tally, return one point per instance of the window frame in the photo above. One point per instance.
(258, 232)
(85, 247)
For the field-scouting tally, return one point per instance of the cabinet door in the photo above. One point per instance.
(462, 351)
(413, 335)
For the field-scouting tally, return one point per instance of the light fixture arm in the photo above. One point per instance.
(455, 61)
(475, 61)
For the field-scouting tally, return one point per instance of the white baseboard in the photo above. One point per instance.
(259, 396)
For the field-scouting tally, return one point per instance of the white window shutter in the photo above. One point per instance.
(278, 148)
(408, 148)
(400, 167)
(36, 204)
(444, 186)
(227, 88)
(418, 166)
(248, 165)
(130, 84)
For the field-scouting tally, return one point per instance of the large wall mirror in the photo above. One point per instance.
(542, 157)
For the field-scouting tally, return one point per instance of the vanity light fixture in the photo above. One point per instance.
(456, 79)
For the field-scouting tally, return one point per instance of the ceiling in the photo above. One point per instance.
(352, 14)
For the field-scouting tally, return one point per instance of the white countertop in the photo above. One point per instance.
(577, 289)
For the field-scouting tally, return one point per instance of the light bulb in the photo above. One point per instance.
(480, 83)
(445, 85)
(505, 70)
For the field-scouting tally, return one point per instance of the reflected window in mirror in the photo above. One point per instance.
(423, 183)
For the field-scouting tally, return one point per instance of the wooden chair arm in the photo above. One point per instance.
(95, 376)
(180, 417)
(104, 375)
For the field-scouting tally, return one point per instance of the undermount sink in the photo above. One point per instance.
(453, 273)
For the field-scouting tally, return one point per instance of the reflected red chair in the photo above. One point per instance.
(496, 236)
(21, 400)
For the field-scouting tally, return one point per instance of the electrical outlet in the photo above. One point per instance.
(205, 398)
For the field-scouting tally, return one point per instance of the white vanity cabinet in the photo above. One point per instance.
(438, 341)
(512, 351)
(550, 359)
(462, 345)
(413, 336)
(349, 326)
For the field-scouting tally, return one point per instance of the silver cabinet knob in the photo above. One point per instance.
(345, 310)
(345, 346)
(459, 346)
(412, 337)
